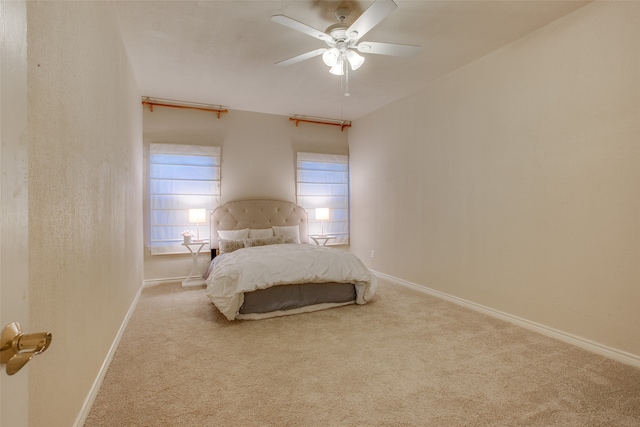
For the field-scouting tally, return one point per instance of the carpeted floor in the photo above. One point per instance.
(406, 359)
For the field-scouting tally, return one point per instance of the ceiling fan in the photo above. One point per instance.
(343, 40)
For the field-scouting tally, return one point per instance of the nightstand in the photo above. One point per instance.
(322, 240)
(194, 278)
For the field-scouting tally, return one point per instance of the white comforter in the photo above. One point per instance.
(260, 267)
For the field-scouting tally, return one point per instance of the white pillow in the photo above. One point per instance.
(233, 234)
(288, 231)
(260, 233)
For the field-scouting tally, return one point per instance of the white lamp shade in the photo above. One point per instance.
(338, 69)
(330, 57)
(197, 215)
(355, 60)
(322, 214)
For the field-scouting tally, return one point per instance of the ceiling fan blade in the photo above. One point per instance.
(299, 26)
(388, 49)
(371, 17)
(302, 57)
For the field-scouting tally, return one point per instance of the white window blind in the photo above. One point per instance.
(181, 177)
(323, 182)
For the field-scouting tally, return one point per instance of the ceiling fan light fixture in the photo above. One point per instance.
(330, 57)
(355, 60)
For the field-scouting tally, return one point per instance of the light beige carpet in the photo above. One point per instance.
(406, 359)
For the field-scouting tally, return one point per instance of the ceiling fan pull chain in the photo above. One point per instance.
(346, 78)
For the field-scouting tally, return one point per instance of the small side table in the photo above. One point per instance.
(322, 240)
(195, 277)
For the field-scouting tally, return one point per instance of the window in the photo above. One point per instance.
(181, 177)
(323, 182)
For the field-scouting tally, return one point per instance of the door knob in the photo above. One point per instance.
(16, 348)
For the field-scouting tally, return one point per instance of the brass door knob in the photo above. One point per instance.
(16, 348)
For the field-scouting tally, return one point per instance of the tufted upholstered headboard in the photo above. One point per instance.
(257, 213)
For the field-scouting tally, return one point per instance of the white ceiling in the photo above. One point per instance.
(223, 52)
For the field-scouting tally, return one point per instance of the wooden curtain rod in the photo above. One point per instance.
(342, 124)
(151, 104)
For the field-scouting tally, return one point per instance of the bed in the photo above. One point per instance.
(264, 266)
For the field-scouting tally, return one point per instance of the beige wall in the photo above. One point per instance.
(258, 159)
(513, 182)
(85, 198)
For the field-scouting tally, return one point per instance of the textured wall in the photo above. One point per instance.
(513, 182)
(85, 198)
(258, 158)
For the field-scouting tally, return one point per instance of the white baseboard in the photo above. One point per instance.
(592, 346)
(95, 388)
(155, 282)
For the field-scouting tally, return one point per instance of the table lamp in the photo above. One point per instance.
(197, 216)
(322, 214)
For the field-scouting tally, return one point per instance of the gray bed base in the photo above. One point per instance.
(288, 297)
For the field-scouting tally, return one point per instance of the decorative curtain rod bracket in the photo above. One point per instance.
(342, 123)
(176, 104)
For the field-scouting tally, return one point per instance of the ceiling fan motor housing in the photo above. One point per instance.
(338, 32)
